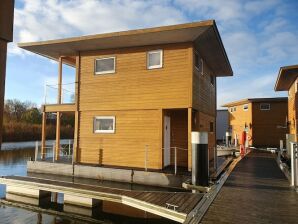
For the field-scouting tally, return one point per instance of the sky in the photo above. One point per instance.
(259, 36)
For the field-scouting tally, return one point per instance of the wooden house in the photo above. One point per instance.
(139, 94)
(263, 119)
(287, 80)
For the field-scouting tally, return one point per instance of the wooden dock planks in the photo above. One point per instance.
(256, 192)
(154, 202)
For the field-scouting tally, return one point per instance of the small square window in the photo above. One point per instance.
(245, 107)
(104, 124)
(154, 59)
(265, 106)
(105, 65)
(198, 62)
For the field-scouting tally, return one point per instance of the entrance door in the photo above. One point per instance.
(167, 141)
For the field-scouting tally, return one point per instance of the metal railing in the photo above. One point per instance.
(175, 148)
(294, 165)
(49, 154)
(67, 93)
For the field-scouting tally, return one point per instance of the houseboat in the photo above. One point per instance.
(263, 119)
(139, 94)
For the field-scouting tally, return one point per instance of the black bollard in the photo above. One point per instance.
(200, 158)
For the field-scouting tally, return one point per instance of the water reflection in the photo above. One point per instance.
(13, 162)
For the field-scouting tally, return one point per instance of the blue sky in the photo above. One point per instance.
(259, 37)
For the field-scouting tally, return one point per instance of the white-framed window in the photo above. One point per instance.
(245, 107)
(105, 65)
(265, 106)
(154, 59)
(104, 124)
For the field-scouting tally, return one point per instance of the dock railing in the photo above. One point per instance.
(175, 149)
(294, 165)
(48, 152)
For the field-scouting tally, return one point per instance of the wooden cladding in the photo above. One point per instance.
(133, 86)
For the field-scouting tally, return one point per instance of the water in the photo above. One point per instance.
(13, 162)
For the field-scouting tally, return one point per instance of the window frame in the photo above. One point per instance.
(104, 131)
(264, 104)
(105, 72)
(161, 59)
(245, 105)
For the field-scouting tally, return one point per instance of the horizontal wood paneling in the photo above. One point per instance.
(126, 147)
(265, 124)
(133, 86)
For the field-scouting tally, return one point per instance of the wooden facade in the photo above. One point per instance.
(142, 100)
(265, 126)
(287, 80)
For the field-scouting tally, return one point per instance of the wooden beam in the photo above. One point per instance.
(43, 135)
(3, 51)
(57, 152)
(60, 80)
(189, 118)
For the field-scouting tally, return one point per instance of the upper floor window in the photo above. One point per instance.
(105, 65)
(245, 107)
(265, 106)
(104, 124)
(154, 59)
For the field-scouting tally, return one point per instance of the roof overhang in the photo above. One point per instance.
(204, 34)
(286, 76)
(256, 100)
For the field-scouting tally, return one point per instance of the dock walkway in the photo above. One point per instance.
(255, 192)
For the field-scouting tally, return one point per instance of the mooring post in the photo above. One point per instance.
(36, 150)
(146, 156)
(200, 158)
(294, 164)
(175, 160)
(54, 149)
(69, 142)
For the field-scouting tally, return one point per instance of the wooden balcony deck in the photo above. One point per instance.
(65, 107)
(153, 202)
(255, 192)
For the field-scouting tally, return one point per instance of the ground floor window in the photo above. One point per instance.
(104, 124)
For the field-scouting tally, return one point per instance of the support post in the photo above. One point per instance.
(69, 142)
(294, 165)
(200, 158)
(146, 156)
(3, 51)
(54, 146)
(76, 127)
(175, 160)
(36, 150)
(43, 135)
(57, 153)
(59, 81)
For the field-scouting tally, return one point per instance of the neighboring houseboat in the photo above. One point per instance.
(263, 119)
(287, 80)
(139, 94)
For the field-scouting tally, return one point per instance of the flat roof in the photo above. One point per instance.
(255, 100)
(286, 76)
(203, 34)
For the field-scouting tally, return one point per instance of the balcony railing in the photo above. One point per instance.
(67, 93)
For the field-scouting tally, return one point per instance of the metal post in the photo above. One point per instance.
(36, 150)
(69, 142)
(200, 158)
(146, 156)
(54, 148)
(294, 164)
(175, 160)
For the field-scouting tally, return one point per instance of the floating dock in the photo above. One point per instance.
(172, 205)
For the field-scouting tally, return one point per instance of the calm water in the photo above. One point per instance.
(13, 162)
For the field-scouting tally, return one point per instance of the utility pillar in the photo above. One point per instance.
(6, 35)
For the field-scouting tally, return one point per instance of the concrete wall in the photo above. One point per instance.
(110, 174)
